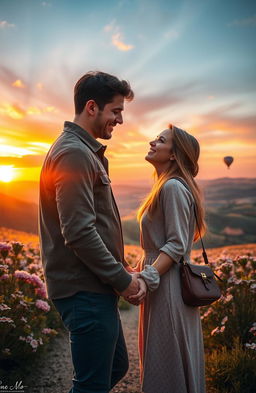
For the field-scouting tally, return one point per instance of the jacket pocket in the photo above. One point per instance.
(103, 193)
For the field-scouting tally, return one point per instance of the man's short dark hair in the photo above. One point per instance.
(100, 87)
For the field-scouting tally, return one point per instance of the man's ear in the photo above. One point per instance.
(91, 107)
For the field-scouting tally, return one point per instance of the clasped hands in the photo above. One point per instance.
(136, 291)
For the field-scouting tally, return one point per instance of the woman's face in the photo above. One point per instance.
(160, 153)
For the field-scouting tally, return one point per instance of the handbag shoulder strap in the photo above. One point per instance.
(202, 243)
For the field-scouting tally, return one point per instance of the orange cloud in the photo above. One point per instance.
(16, 112)
(18, 83)
(33, 110)
(120, 45)
(13, 111)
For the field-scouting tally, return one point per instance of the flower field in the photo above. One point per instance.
(28, 321)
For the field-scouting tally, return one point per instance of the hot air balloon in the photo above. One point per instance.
(228, 160)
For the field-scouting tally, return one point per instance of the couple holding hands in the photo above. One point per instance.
(83, 255)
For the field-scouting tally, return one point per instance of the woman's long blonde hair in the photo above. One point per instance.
(186, 151)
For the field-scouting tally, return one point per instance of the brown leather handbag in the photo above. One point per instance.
(198, 284)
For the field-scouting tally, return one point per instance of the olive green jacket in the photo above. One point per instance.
(79, 225)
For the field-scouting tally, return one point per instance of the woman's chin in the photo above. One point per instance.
(149, 159)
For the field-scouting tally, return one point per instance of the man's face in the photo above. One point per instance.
(108, 118)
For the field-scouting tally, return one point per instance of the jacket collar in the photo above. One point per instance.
(91, 142)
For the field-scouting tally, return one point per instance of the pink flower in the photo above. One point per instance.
(17, 247)
(4, 249)
(49, 331)
(24, 304)
(251, 346)
(41, 291)
(23, 319)
(4, 307)
(22, 275)
(214, 331)
(4, 277)
(224, 320)
(46, 331)
(4, 268)
(8, 320)
(217, 330)
(34, 343)
(17, 294)
(253, 329)
(33, 266)
(32, 279)
(228, 298)
(207, 313)
(42, 305)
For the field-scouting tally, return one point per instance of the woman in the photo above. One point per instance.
(170, 334)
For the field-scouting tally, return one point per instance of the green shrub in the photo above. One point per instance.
(233, 315)
(231, 370)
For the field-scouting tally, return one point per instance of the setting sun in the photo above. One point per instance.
(6, 173)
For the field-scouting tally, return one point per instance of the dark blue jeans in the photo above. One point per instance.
(98, 347)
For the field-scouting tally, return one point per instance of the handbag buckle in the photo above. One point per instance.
(203, 275)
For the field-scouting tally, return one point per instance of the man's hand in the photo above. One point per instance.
(139, 297)
(133, 287)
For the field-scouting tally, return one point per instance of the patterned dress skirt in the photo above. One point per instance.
(170, 338)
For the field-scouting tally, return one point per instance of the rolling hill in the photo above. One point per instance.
(230, 209)
(17, 214)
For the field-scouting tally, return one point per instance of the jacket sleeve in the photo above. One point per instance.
(176, 204)
(73, 176)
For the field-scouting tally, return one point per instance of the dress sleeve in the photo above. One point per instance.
(176, 203)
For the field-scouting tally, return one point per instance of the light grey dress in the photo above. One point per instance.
(170, 333)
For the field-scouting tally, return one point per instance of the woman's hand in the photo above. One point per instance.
(139, 297)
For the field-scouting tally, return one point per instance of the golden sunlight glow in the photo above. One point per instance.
(12, 111)
(33, 110)
(40, 147)
(18, 83)
(6, 173)
(13, 151)
(27, 174)
(39, 86)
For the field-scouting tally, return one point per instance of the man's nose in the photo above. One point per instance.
(119, 119)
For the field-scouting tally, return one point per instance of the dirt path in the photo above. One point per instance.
(55, 372)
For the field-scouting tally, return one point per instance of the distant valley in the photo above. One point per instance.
(230, 209)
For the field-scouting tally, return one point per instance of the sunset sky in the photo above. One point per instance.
(190, 63)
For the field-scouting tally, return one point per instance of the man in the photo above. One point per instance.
(81, 236)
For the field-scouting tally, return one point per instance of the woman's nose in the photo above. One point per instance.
(152, 143)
